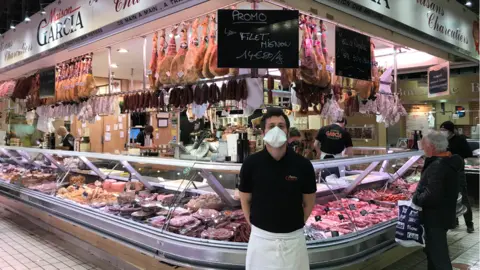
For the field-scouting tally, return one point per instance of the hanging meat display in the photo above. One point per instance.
(202, 49)
(323, 74)
(160, 58)
(213, 59)
(177, 69)
(191, 73)
(6, 88)
(153, 62)
(308, 59)
(164, 73)
(207, 73)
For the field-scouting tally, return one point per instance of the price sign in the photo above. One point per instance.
(258, 38)
(363, 212)
(352, 207)
(47, 83)
(318, 218)
(352, 55)
(341, 217)
(335, 234)
(327, 209)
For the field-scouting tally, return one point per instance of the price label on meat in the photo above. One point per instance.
(47, 83)
(353, 57)
(258, 38)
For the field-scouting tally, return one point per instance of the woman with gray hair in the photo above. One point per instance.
(437, 194)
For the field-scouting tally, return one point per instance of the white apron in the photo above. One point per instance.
(279, 251)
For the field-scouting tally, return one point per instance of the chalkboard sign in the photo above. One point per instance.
(258, 38)
(47, 83)
(438, 80)
(352, 55)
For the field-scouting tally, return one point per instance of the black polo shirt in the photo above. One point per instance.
(277, 189)
(333, 139)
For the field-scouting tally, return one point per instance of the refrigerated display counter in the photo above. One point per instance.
(186, 212)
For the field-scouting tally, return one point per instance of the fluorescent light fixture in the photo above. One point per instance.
(113, 65)
(468, 4)
(122, 50)
(27, 19)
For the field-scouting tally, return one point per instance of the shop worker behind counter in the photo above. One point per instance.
(457, 144)
(331, 141)
(277, 192)
(68, 141)
(145, 137)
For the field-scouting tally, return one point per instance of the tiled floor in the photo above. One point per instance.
(26, 246)
(463, 247)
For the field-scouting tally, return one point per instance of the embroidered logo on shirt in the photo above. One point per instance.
(291, 178)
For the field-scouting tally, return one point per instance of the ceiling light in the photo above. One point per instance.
(12, 26)
(468, 4)
(27, 19)
(43, 12)
(121, 50)
(113, 65)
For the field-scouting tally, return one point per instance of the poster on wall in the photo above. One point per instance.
(47, 83)
(439, 80)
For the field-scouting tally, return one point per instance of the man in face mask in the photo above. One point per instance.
(458, 145)
(277, 192)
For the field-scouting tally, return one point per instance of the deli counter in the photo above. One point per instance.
(187, 213)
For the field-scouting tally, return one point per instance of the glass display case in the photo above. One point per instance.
(188, 211)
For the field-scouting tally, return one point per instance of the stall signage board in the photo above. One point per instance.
(443, 24)
(258, 38)
(352, 55)
(47, 83)
(71, 23)
(439, 80)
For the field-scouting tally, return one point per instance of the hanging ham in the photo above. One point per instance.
(202, 50)
(90, 86)
(160, 58)
(213, 60)
(177, 70)
(153, 62)
(308, 65)
(191, 73)
(323, 74)
(164, 74)
(207, 73)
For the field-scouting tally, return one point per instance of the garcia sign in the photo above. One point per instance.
(60, 23)
(447, 21)
(71, 21)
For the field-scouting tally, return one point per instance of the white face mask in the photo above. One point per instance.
(275, 137)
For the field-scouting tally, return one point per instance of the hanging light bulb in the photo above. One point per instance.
(468, 4)
(27, 19)
(43, 12)
(12, 26)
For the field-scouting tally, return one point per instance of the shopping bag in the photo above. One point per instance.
(409, 231)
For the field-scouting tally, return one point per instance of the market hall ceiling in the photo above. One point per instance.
(15, 11)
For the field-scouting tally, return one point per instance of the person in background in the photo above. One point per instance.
(67, 139)
(145, 137)
(294, 138)
(457, 144)
(331, 141)
(437, 194)
(277, 193)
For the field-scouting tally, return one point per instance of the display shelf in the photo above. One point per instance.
(346, 248)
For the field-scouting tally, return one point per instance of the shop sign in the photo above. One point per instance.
(69, 22)
(439, 80)
(352, 55)
(447, 21)
(258, 38)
